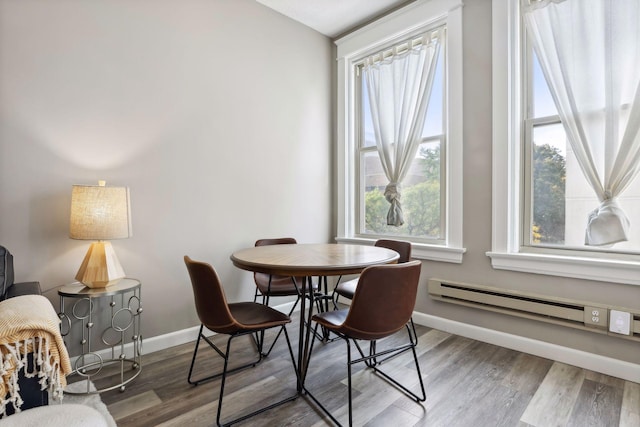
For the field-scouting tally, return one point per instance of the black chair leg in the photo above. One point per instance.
(349, 382)
(265, 301)
(260, 341)
(349, 388)
(221, 354)
(316, 335)
(334, 295)
(222, 382)
(226, 371)
(193, 359)
(371, 361)
(394, 353)
(263, 409)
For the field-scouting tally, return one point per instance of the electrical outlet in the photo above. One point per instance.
(597, 317)
(620, 322)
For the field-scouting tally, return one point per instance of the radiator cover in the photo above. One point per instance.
(575, 314)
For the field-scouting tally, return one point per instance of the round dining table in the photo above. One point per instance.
(306, 261)
(315, 259)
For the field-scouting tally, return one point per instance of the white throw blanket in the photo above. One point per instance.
(29, 324)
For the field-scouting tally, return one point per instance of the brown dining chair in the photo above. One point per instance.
(377, 311)
(271, 285)
(234, 320)
(348, 288)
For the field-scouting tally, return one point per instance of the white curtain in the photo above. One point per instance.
(589, 51)
(399, 84)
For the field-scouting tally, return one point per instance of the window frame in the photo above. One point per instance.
(508, 250)
(362, 149)
(393, 28)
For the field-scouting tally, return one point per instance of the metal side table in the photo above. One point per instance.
(123, 329)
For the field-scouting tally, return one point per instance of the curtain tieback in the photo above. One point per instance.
(392, 194)
(607, 224)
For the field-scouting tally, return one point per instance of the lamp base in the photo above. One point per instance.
(100, 267)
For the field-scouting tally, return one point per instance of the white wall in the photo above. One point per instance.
(216, 114)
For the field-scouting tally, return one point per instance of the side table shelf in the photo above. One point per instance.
(120, 330)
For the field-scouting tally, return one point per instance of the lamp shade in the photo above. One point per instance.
(99, 212)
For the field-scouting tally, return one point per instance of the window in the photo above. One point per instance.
(558, 197)
(542, 198)
(431, 191)
(422, 190)
(431, 195)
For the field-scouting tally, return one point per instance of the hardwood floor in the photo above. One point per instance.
(468, 383)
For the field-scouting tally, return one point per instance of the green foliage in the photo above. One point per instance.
(430, 159)
(422, 209)
(376, 207)
(420, 202)
(549, 178)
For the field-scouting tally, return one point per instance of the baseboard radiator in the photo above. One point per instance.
(575, 314)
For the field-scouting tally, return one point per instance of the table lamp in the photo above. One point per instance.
(100, 213)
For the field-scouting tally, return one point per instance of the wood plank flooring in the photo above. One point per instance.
(468, 383)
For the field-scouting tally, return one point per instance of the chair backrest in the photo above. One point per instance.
(6, 271)
(262, 279)
(211, 303)
(278, 241)
(384, 300)
(403, 248)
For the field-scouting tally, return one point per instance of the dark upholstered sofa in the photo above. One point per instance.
(8, 288)
(29, 387)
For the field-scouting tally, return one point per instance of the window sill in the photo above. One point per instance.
(419, 250)
(605, 270)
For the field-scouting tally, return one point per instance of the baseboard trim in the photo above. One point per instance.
(582, 359)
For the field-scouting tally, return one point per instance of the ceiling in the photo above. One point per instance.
(333, 17)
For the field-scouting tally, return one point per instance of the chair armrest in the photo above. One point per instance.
(24, 288)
